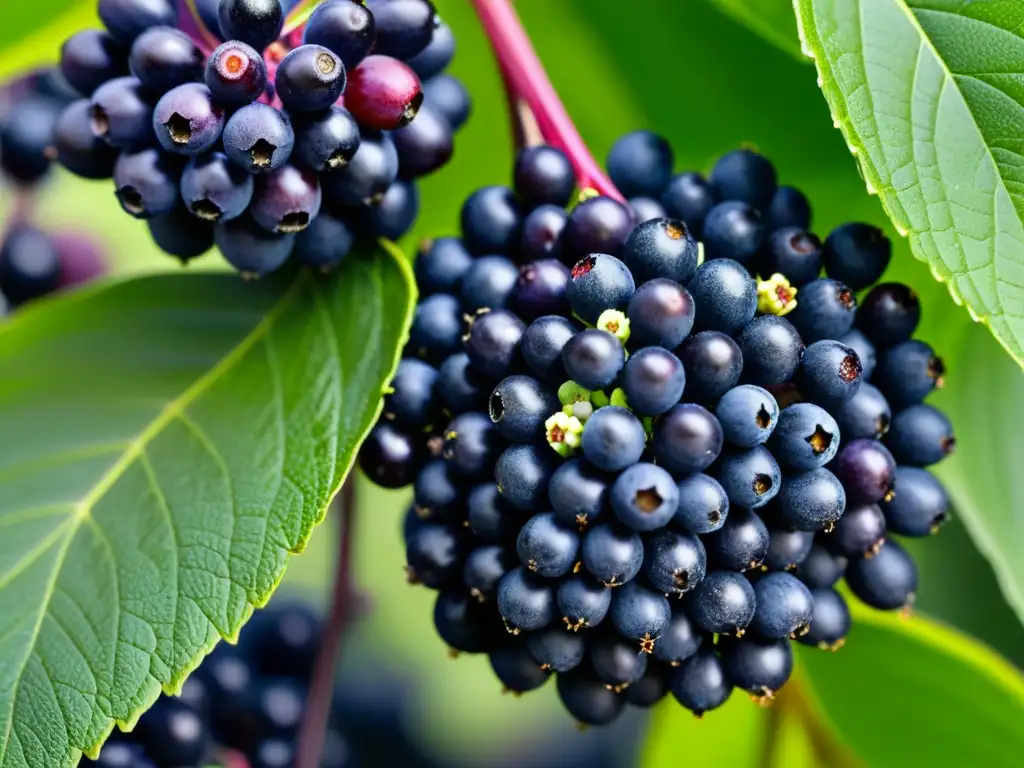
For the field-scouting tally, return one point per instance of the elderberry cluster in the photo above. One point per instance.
(280, 142)
(647, 440)
(35, 261)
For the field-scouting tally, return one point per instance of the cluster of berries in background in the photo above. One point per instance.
(647, 440)
(35, 260)
(286, 139)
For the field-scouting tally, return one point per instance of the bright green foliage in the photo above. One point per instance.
(771, 19)
(168, 442)
(928, 95)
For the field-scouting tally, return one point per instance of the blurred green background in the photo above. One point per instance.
(689, 71)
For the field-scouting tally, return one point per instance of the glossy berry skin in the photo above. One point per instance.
(745, 175)
(859, 530)
(889, 314)
(491, 221)
(250, 248)
(809, 501)
(542, 345)
(825, 310)
(424, 145)
(703, 505)
(412, 401)
(644, 497)
(599, 282)
(750, 478)
(78, 149)
(162, 57)
(448, 96)
(645, 209)
(310, 79)
(593, 358)
(438, 54)
(857, 254)
(286, 200)
(653, 380)
(516, 668)
(383, 93)
(822, 567)
(146, 183)
(490, 519)
(215, 189)
(346, 27)
(438, 491)
(588, 699)
(29, 265)
(830, 622)
(543, 175)
(522, 474)
(806, 437)
(578, 493)
(175, 732)
(612, 553)
(437, 327)
(519, 406)
(688, 438)
(127, 19)
(488, 283)
(640, 163)
(679, 639)
(733, 230)
(637, 613)
(661, 313)
(187, 121)
(674, 562)
(866, 469)
(542, 233)
(616, 660)
(713, 363)
(465, 624)
(597, 225)
(920, 504)
(540, 289)
(649, 689)
(236, 74)
(441, 263)
(472, 444)
(367, 176)
(787, 549)
(771, 350)
(700, 683)
(784, 605)
(908, 373)
(757, 665)
(724, 294)
(582, 602)
(613, 439)
(829, 374)
(526, 602)
(395, 214)
(90, 58)
(788, 208)
(180, 234)
(722, 603)
(254, 22)
(258, 138)
(404, 27)
(26, 137)
(547, 547)
(689, 196)
(794, 253)
(555, 649)
(748, 415)
(865, 349)
(435, 553)
(740, 544)
(493, 343)
(459, 387)
(887, 581)
(662, 248)
(120, 115)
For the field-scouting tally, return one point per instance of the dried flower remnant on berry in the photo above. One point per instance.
(563, 433)
(775, 296)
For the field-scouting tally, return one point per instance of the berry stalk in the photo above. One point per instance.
(526, 80)
(190, 22)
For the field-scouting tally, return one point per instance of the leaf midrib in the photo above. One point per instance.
(135, 449)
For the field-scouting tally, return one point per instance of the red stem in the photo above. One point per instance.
(527, 80)
(318, 701)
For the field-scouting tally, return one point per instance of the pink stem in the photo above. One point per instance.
(192, 25)
(527, 80)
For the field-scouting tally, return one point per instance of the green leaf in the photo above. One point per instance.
(169, 442)
(771, 19)
(936, 696)
(928, 94)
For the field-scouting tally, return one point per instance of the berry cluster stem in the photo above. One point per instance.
(318, 702)
(527, 81)
(192, 25)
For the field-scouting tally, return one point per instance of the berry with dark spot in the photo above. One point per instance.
(367, 176)
(286, 200)
(258, 138)
(644, 497)
(748, 415)
(518, 406)
(806, 437)
(740, 544)
(146, 182)
(542, 233)
(829, 374)
(661, 248)
(919, 505)
(120, 115)
(825, 310)
(689, 196)
(865, 349)
(215, 189)
(674, 563)
(750, 478)
(599, 282)
(78, 149)
(703, 505)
